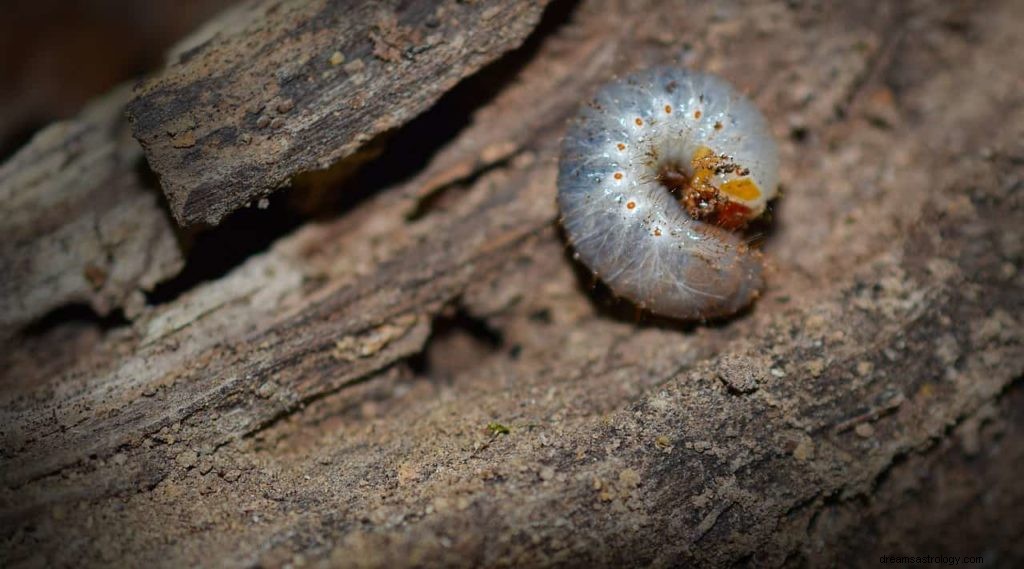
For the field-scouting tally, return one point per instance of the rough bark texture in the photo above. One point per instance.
(275, 88)
(427, 379)
(81, 223)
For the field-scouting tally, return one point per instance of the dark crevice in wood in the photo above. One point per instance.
(458, 342)
(74, 314)
(214, 252)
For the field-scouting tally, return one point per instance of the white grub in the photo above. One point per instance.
(675, 254)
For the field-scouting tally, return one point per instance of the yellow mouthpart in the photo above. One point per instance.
(741, 188)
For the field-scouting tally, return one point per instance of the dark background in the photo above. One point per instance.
(55, 55)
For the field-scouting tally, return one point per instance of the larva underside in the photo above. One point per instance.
(655, 175)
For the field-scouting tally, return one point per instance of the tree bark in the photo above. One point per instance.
(427, 378)
(82, 224)
(274, 88)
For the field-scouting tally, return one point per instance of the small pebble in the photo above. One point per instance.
(864, 430)
(187, 459)
(629, 478)
(354, 67)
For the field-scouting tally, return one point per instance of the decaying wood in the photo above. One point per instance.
(80, 222)
(287, 87)
(427, 380)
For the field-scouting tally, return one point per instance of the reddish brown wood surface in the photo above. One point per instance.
(342, 398)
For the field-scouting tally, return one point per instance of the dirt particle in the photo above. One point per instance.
(804, 450)
(96, 275)
(267, 389)
(407, 473)
(815, 367)
(629, 478)
(354, 67)
(232, 475)
(864, 430)
(947, 349)
(815, 322)
(184, 140)
(490, 13)
(187, 459)
(390, 39)
(740, 374)
(864, 368)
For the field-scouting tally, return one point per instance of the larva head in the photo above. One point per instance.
(721, 157)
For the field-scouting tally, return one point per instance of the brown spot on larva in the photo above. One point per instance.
(639, 121)
(657, 232)
(696, 114)
(618, 175)
(622, 147)
(718, 125)
(668, 109)
(630, 204)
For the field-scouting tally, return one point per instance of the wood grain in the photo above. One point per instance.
(342, 399)
(82, 223)
(282, 88)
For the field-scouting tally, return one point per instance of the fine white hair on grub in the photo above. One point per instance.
(657, 175)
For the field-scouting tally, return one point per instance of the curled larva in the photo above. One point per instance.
(656, 176)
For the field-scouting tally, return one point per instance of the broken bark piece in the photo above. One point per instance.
(80, 225)
(293, 87)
